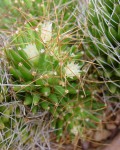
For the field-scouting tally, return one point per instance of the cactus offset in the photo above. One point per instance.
(103, 22)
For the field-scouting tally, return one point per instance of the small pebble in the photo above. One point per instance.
(101, 135)
(110, 126)
(117, 120)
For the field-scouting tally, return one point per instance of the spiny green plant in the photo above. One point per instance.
(46, 74)
(8, 122)
(46, 68)
(103, 36)
(19, 130)
(16, 130)
(19, 11)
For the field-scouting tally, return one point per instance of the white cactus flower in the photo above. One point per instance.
(46, 31)
(72, 70)
(31, 52)
(75, 130)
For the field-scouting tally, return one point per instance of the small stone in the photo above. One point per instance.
(114, 145)
(117, 120)
(110, 126)
(101, 135)
(90, 133)
(85, 145)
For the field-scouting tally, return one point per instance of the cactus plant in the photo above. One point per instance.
(46, 68)
(20, 11)
(103, 36)
(47, 75)
(15, 127)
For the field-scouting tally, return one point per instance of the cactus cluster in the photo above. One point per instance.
(47, 72)
(47, 76)
(103, 36)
